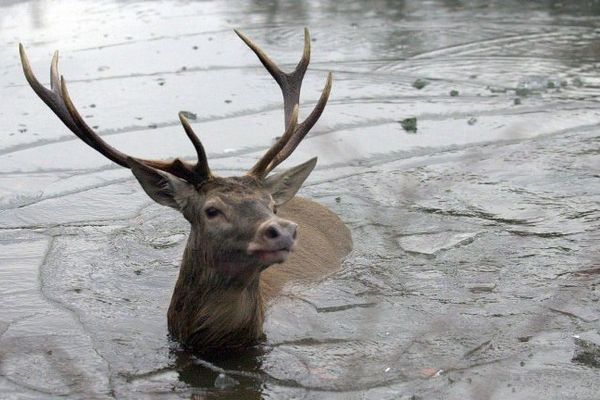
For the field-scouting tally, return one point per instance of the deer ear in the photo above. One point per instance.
(284, 185)
(161, 186)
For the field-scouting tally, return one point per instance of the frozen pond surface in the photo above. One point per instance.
(476, 259)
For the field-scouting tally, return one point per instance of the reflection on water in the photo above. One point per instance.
(475, 257)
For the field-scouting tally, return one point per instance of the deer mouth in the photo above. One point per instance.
(266, 256)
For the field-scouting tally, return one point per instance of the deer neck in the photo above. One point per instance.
(211, 310)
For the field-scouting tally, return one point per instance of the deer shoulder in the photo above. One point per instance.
(323, 241)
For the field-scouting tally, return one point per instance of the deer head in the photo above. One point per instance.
(235, 230)
(236, 215)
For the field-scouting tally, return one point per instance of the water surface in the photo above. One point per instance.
(476, 237)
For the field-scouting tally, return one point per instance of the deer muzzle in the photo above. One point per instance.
(274, 240)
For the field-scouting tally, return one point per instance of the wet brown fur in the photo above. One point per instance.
(211, 309)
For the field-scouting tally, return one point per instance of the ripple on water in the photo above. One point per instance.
(469, 234)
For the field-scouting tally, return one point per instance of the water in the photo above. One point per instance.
(476, 257)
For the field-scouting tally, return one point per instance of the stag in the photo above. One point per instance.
(240, 225)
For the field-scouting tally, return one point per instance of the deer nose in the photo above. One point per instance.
(279, 233)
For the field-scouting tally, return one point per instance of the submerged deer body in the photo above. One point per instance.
(240, 226)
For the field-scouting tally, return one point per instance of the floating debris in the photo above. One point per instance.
(522, 91)
(431, 372)
(496, 89)
(225, 382)
(536, 84)
(472, 121)
(517, 101)
(588, 349)
(420, 83)
(482, 287)
(454, 93)
(409, 124)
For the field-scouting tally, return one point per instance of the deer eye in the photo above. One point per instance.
(212, 212)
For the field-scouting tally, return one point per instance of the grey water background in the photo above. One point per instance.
(476, 267)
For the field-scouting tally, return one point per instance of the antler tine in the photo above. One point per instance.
(302, 130)
(54, 76)
(201, 167)
(290, 84)
(50, 97)
(57, 98)
(261, 167)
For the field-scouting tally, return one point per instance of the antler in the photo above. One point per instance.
(290, 84)
(59, 101)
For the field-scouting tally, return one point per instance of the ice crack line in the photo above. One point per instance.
(70, 310)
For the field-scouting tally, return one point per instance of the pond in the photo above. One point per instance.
(460, 145)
